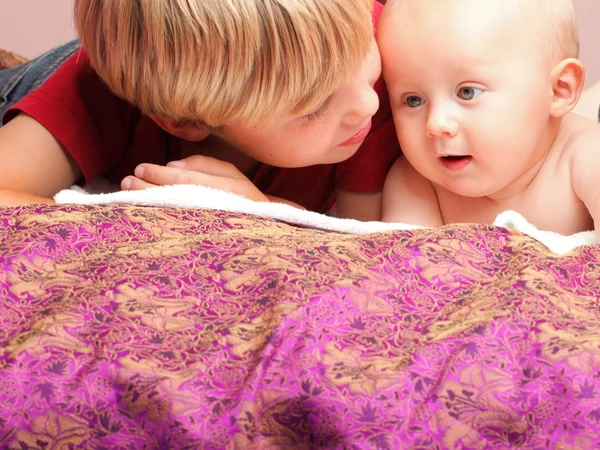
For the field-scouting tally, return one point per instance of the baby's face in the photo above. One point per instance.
(470, 92)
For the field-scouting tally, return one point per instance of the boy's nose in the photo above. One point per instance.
(440, 124)
(365, 105)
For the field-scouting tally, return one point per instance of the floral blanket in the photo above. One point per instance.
(128, 327)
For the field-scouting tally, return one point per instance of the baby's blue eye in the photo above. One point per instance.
(413, 101)
(468, 93)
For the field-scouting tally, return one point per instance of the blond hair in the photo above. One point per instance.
(555, 25)
(553, 22)
(224, 61)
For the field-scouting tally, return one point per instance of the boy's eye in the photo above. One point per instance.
(320, 111)
(414, 101)
(468, 93)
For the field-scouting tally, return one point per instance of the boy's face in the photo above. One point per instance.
(330, 134)
(470, 93)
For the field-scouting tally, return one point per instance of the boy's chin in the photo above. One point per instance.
(330, 158)
(342, 153)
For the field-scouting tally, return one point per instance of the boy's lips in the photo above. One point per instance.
(358, 137)
(455, 162)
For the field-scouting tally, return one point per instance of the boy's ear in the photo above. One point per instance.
(186, 130)
(567, 83)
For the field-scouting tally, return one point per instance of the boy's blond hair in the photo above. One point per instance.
(219, 62)
(553, 22)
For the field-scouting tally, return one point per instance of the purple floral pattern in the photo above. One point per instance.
(130, 327)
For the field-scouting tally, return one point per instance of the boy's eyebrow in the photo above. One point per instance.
(322, 104)
(325, 102)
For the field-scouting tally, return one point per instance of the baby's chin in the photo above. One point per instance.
(468, 189)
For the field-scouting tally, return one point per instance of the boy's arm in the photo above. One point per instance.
(274, 199)
(365, 206)
(15, 198)
(409, 198)
(33, 164)
(585, 171)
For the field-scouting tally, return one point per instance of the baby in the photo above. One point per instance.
(482, 93)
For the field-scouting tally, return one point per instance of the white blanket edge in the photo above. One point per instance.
(192, 196)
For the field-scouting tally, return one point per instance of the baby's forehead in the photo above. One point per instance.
(460, 39)
(472, 23)
(550, 25)
(454, 21)
(489, 11)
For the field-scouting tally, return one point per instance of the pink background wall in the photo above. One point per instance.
(49, 23)
(588, 16)
(30, 27)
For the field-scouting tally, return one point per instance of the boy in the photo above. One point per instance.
(277, 98)
(481, 94)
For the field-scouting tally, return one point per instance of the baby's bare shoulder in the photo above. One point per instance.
(582, 149)
(583, 138)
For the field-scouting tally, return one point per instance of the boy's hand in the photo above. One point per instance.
(198, 170)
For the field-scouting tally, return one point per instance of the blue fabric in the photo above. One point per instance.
(17, 82)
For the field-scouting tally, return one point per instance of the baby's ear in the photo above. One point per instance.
(567, 83)
(186, 130)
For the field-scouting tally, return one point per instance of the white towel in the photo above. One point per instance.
(191, 196)
(558, 243)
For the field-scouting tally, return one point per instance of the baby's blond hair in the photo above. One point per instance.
(219, 62)
(553, 22)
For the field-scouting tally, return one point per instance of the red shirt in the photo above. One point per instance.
(106, 136)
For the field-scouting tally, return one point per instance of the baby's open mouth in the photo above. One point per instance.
(456, 162)
(455, 157)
